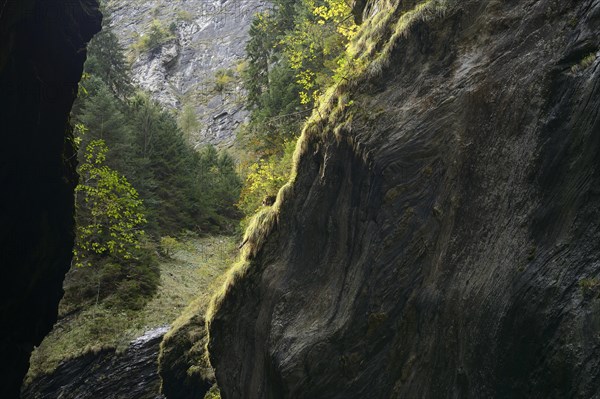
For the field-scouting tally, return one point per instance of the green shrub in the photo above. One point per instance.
(168, 245)
(185, 16)
(223, 77)
(154, 38)
(264, 179)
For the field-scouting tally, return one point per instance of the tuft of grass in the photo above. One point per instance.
(260, 227)
(585, 63)
(197, 266)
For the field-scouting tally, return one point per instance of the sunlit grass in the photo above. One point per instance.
(190, 274)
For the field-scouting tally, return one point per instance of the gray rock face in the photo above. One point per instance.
(208, 36)
(105, 374)
(442, 237)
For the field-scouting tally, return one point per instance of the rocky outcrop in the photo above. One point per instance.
(208, 37)
(105, 374)
(183, 364)
(42, 51)
(441, 238)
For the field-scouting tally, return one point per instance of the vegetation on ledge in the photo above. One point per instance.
(195, 266)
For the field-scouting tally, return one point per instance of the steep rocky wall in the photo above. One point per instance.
(442, 236)
(208, 36)
(42, 50)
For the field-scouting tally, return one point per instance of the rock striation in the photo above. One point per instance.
(105, 374)
(208, 37)
(441, 237)
(42, 51)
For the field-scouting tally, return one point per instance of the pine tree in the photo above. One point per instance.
(102, 116)
(106, 60)
(188, 121)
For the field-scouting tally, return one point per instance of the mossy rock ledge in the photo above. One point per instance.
(402, 265)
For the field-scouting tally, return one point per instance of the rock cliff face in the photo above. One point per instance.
(441, 238)
(182, 364)
(42, 51)
(207, 36)
(106, 374)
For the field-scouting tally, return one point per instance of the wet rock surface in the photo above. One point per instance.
(444, 241)
(105, 374)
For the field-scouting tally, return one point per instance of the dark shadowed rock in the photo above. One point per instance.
(105, 374)
(183, 364)
(42, 51)
(442, 236)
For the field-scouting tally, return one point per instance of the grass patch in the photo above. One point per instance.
(195, 266)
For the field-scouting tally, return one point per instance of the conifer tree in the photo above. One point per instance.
(102, 115)
(106, 60)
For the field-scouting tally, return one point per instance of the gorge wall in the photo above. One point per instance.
(105, 374)
(441, 236)
(42, 51)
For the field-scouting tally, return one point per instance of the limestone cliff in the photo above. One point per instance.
(207, 37)
(441, 235)
(42, 51)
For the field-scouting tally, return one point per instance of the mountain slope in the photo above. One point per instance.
(201, 39)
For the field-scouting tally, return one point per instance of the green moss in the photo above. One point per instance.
(585, 63)
(214, 393)
(183, 364)
(590, 286)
